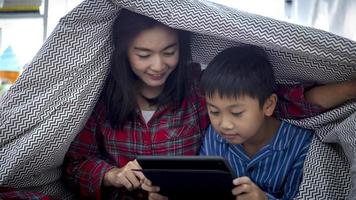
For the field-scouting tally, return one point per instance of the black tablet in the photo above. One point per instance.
(189, 177)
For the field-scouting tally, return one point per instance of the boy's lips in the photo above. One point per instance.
(228, 136)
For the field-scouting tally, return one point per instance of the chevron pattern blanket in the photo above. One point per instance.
(47, 106)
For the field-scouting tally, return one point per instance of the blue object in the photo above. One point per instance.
(8, 61)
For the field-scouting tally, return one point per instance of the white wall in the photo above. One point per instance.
(57, 9)
(25, 36)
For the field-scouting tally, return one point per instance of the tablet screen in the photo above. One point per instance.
(202, 177)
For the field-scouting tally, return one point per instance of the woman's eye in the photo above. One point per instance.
(143, 56)
(169, 53)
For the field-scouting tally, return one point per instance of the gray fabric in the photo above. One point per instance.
(49, 104)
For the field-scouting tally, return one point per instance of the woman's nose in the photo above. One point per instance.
(158, 64)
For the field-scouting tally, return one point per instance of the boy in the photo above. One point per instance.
(267, 154)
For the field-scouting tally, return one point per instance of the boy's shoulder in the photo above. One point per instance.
(290, 132)
(293, 127)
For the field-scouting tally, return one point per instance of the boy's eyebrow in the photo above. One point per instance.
(145, 49)
(209, 104)
(231, 106)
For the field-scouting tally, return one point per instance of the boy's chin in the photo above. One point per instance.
(233, 141)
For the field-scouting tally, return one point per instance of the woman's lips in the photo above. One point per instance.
(156, 77)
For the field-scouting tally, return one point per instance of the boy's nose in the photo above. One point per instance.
(226, 124)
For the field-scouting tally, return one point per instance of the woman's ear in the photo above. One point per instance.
(270, 105)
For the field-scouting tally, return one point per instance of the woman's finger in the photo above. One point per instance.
(124, 181)
(147, 181)
(139, 174)
(134, 180)
(156, 196)
(150, 188)
(134, 166)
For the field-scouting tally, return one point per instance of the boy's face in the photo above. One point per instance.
(238, 120)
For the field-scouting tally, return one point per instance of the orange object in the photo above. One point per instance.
(10, 76)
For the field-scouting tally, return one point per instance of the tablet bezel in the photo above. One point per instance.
(185, 162)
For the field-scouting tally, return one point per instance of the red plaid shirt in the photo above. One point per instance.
(98, 148)
(292, 104)
(12, 194)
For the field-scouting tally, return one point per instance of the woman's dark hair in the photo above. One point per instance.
(236, 71)
(119, 95)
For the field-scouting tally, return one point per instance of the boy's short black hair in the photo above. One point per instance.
(242, 70)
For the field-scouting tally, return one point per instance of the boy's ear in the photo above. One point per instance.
(270, 105)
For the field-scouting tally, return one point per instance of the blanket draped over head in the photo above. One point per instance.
(52, 99)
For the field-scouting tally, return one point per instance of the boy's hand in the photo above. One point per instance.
(125, 176)
(152, 191)
(246, 189)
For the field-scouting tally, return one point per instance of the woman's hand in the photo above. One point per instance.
(332, 94)
(125, 176)
(152, 191)
(246, 189)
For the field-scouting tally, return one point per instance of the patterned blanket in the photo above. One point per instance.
(50, 102)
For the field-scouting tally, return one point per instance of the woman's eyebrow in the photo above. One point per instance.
(141, 49)
(169, 46)
(146, 49)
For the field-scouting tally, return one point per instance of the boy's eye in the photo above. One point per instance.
(214, 112)
(236, 114)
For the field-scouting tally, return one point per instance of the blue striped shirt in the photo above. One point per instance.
(277, 168)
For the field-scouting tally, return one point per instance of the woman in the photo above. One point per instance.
(149, 106)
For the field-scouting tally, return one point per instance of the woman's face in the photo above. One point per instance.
(153, 55)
